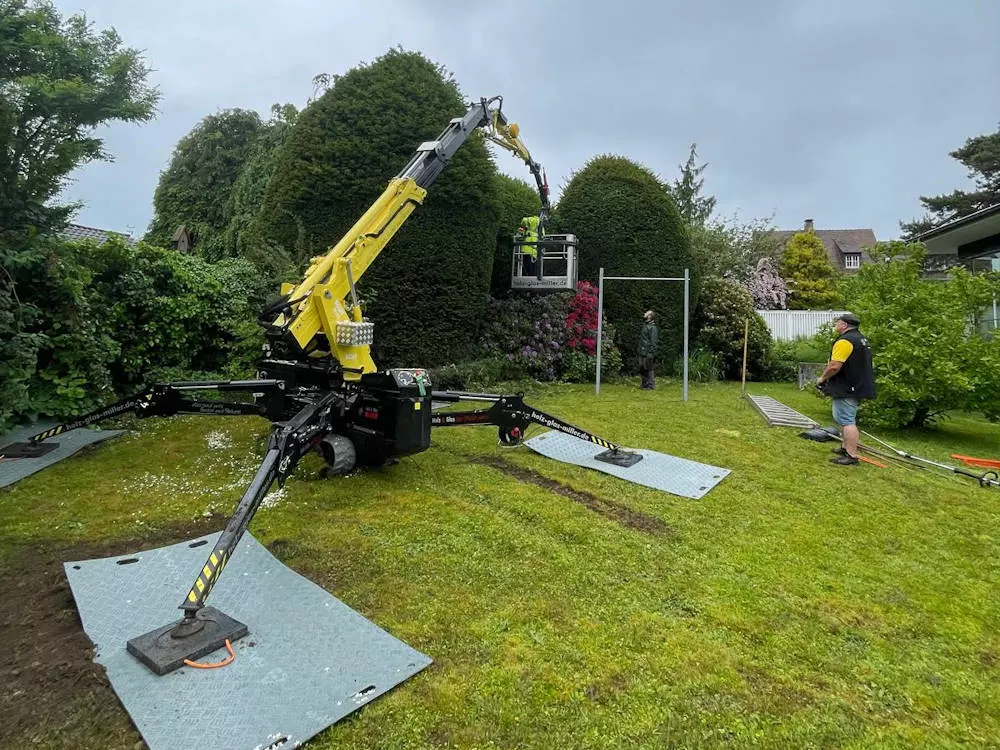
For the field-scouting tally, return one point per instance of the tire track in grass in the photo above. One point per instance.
(608, 509)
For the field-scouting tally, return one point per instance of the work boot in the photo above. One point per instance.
(845, 460)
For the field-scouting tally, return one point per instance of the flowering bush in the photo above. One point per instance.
(581, 322)
(529, 332)
(768, 289)
(550, 337)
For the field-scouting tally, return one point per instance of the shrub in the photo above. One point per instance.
(243, 237)
(580, 367)
(704, 366)
(195, 189)
(75, 344)
(627, 222)
(719, 323)
(782, 364)
(477, 374)
(530, 332)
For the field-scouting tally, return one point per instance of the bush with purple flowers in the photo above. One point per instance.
(550, 337)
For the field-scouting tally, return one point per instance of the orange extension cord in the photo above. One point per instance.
(217, 664)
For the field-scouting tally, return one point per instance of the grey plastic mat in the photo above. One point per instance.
(11, 470)
(308, 661)
(678, 476)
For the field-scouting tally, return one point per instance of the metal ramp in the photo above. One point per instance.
(779, 415)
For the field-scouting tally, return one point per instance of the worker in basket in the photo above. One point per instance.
(527, 236)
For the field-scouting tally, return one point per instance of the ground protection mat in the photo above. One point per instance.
(678, 476)
(11, 470)
(308, 661)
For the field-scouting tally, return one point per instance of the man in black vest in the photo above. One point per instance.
(848, 378)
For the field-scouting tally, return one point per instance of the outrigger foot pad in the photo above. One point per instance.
(163, 650)
(27, 450)
(619, 458)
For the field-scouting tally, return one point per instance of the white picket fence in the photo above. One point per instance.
(787, 325)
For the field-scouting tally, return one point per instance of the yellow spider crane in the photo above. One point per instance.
(318, 385)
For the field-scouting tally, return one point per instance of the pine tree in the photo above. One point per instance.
(981, 155)
(694, 207)
(812, 282)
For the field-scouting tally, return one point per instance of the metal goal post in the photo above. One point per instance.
(600, 316)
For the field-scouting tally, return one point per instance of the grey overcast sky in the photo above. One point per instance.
(843, 112)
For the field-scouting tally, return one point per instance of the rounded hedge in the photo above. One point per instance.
(626, 221)
(427, 292)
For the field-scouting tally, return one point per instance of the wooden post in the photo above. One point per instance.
(746, 338)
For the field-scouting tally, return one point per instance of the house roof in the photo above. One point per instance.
(75, 232)
(968, 236)
(836, 242)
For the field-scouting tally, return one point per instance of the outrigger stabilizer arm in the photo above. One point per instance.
(164, 400)
(512, 417)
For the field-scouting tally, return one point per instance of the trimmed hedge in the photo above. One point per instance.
(627, 222)
(243, 237)
(427, 293)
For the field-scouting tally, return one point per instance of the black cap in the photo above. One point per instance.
(850, 318)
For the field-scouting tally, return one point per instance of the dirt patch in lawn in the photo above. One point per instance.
(52, 693)
(611, 510)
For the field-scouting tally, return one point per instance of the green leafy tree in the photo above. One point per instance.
(812, 281)
(929, 356)
(59, 81)
(981, 156)
(195, 189)
(427, 292)
(695, 208)
(720, 323)
(627, 222)
(515, 200)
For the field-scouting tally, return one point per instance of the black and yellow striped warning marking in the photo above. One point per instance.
(208, 576)
(49, 433)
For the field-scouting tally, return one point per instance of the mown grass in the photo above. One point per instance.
(799, 604)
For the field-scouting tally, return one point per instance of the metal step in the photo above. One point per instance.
(779, 415)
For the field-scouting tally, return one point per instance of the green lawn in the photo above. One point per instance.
(799, 604)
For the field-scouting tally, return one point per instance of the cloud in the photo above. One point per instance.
(842, 112)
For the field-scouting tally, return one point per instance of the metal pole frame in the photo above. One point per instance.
(601, 278)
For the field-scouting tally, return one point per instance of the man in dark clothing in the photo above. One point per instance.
(848, 378)
(648, 340)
